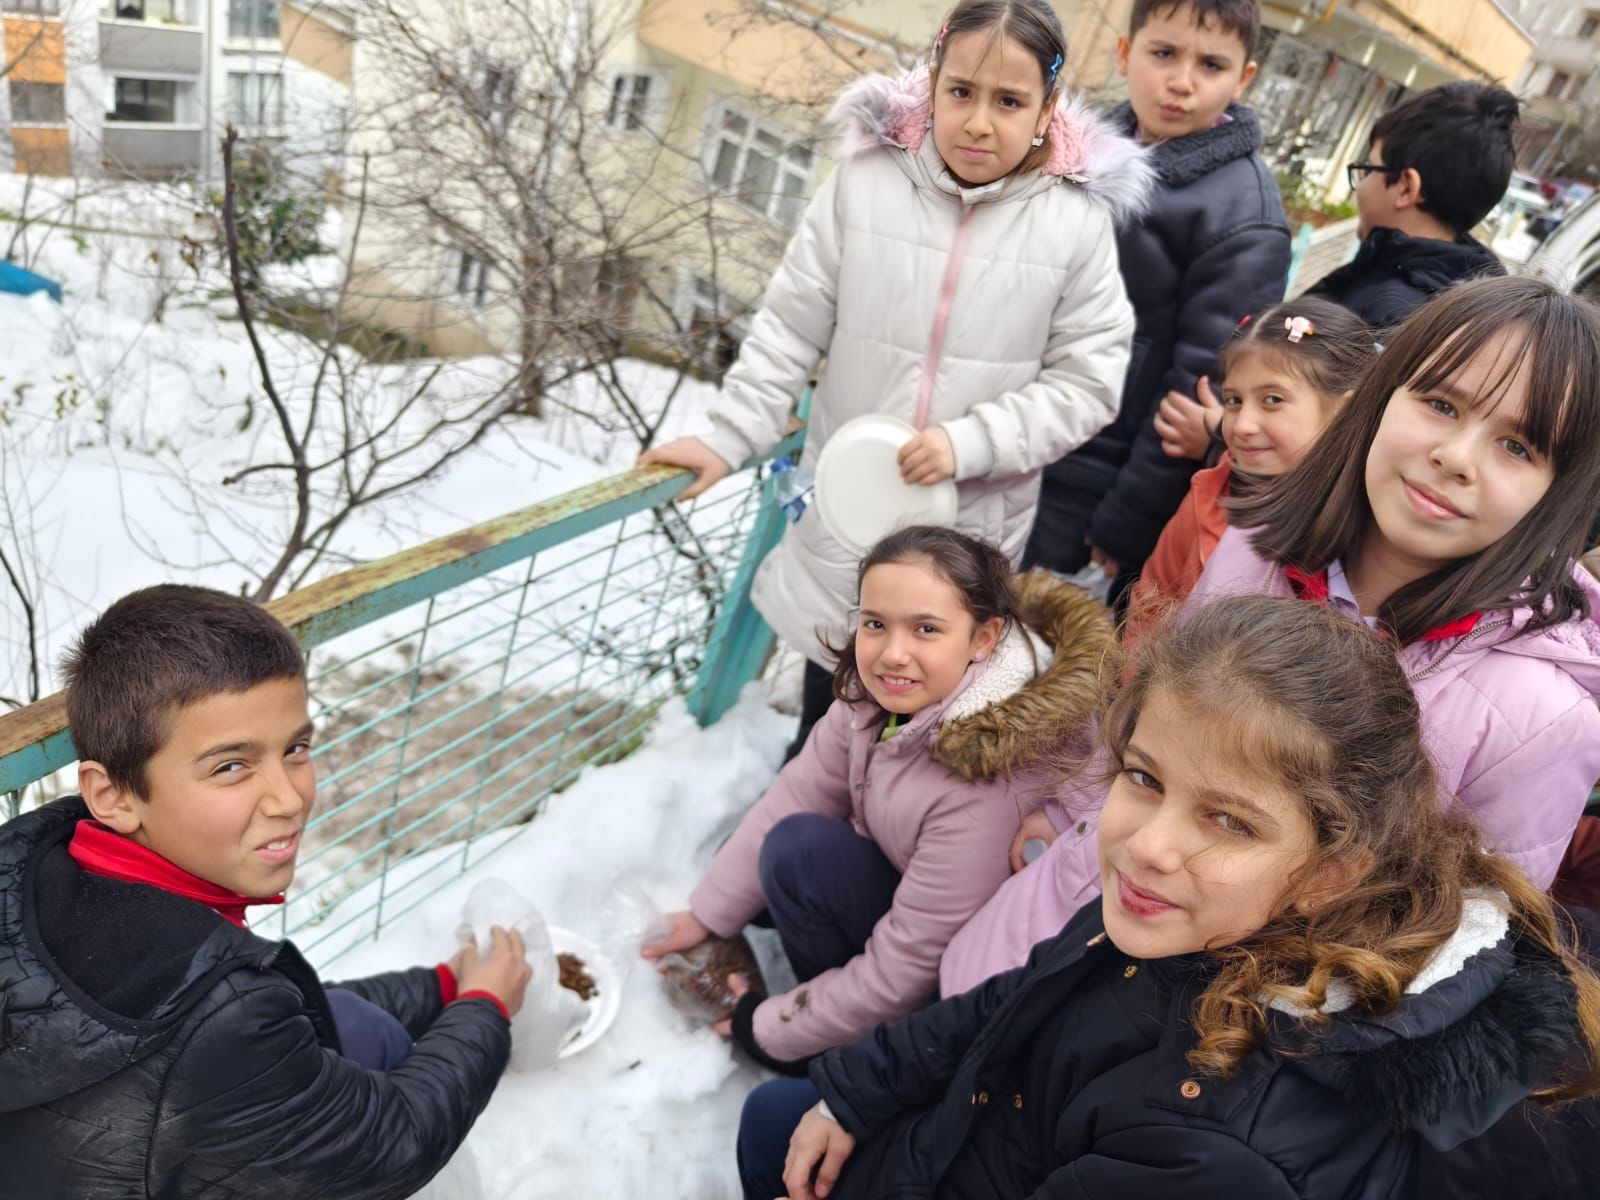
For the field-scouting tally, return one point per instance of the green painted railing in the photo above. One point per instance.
(459, 684)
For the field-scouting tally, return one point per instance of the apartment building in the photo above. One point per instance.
(1560, 84)
(145, 88)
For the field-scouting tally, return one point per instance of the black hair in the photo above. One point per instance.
(1241, 17)
(155, 651)
(1459, 138)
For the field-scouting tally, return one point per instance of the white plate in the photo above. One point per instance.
(860, 495)
(607, 1001)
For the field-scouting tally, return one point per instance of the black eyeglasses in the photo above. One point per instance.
(1355, 171)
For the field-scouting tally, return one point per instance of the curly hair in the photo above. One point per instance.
(1323, 701)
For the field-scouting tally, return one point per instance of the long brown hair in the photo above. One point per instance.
(977, 570)
(1320, 512)
(1035, 26)
(1323, 704)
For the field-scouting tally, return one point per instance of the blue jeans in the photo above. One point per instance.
(367, 1034)
(826, 887)
(770, 1116)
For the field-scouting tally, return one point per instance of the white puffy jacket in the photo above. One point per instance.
(1034, 352)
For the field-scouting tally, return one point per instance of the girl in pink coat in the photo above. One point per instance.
(1445, 507)
(891, 827)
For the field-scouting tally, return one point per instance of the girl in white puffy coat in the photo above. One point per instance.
(958, 270)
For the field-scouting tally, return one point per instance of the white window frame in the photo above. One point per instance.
(467, 277)
(637, 112)
(186, 100)
(724, 142)
(253, 36)
(257, 117)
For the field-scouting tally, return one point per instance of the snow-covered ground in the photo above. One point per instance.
(651, 1109)
(122, 406)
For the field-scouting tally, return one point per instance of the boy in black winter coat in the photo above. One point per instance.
(150, 1045)
(1213, 246)
(1434, 167)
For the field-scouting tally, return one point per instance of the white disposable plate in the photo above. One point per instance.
(860, 495)
(607, 1000)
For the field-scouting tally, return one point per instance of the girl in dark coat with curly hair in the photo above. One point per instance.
(1302, 971)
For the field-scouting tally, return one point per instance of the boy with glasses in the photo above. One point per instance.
(1435, 165)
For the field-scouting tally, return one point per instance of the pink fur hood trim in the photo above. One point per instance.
(1084, 148)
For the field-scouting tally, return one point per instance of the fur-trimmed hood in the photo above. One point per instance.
(1489, 1017)
(1022, 707)
(1085, 148)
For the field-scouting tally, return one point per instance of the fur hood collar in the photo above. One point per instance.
(1488, 1018)
(1036, 691)
(1085, 149)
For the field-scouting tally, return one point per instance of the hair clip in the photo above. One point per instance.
(1054, 68)
(938, 42)
(1298, 327)
(1377, 347)
(1243, 324)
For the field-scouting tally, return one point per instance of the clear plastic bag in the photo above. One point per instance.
(696, 980)
(550, 1015)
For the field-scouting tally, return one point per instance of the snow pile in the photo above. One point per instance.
(652, 1109)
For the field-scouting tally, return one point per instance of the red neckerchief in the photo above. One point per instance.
(100, 851)
(1315, 588)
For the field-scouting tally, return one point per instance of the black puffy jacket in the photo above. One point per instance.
(148, 1048)
(1393, 274)
(1213, 247)
(1067, 1078)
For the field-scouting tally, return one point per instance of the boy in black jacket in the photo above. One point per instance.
(1434, 167)
(1213, 247)
(149, 1043)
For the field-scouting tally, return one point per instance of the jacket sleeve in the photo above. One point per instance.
(816, 780)
(1241, 273)
(410, 997)
(959, 862)
(1079, 387)
(254, 1106)
(787, 337)
(909, 1063)
(1167, 1162)
(1528, 797)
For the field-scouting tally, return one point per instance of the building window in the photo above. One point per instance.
(162, 12)
(1558, 85)
(493, 93)
(632, 95)
(765, 169)
(1590, 24)
(469, 276)
(614, 284)
(255, 101)
(713, 324)
(38, 103)
(250, 20)
(44, 8)
(145, 100)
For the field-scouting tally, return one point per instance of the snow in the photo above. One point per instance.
(117, 430)
(652, 1108)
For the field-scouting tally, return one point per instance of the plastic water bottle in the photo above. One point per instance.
(791, 487)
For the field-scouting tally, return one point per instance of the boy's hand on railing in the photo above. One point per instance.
(928, 458)
(503, 972)
(685, 933)
(820, 1145)
(708, 466)
(1185, 425)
